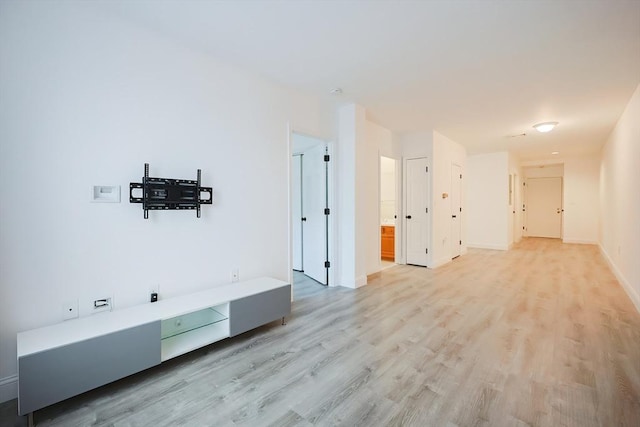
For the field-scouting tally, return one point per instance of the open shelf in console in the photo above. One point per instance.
(182, 334)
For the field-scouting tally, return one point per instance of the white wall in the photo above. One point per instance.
(620, 199)
(487, 196)
(354, 198)
(87, 99)
(581, 194)
(416, 144)
(387, 190)
(544, 170)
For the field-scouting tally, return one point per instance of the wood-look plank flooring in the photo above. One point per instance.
(541, 335)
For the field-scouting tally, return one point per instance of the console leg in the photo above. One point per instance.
(30, 420)
(283, 322)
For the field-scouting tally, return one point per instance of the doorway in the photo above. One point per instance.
(544, 207)
(416, 210)
(310, 207)
(388, 216)
(456, 210)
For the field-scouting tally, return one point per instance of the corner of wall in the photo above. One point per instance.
(440, 262)
(360, 281)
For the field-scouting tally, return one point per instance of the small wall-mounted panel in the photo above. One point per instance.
(106, 194)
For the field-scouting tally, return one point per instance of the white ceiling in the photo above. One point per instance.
(476, 71)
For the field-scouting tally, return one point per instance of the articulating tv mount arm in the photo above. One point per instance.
(165, 193)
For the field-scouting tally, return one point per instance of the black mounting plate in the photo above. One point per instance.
(170, 194)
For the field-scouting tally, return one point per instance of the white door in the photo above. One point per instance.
(314, 201)
(416, 211)
(296, 210)
(456, 210)
(544, 207)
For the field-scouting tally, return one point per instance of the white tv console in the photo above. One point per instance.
(63, 360)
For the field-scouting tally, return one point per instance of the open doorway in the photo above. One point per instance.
(388, 212)
(310, 208)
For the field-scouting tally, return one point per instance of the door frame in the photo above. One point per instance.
(331, 228)
(404, 210)
(397, 178)
(525, 198)
(459, 207)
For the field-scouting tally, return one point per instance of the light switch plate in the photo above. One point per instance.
(105, 194)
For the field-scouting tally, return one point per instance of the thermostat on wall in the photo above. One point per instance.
(106, 194)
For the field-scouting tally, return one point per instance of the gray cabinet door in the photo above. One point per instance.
(54, 375)
(256, 310)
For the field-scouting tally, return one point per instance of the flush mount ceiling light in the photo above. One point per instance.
(555, 152)
(336, 91)
(545, 127)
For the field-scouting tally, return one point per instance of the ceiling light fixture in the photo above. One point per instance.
(555, 152)
(336, 91)
(545, 127)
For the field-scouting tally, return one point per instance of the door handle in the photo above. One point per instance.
(408, 217)
(304, 218)
(454, 216)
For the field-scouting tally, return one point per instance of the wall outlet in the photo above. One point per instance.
(235, 275)
(154, 293)
(70, 309)
(102, 304)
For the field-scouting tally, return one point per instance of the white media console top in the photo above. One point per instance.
(71, 331)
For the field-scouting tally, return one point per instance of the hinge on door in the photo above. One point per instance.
(460, 209)
(326, 157)
(427, 209)
(427, 250)
(327, 264)
(327, 211)
(460, 176)
(427, 169)
(460, 241)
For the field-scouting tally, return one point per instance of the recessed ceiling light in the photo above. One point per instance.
(545, 127)
(555, 152)
(336, 91)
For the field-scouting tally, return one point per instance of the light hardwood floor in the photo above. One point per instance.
(542, 335)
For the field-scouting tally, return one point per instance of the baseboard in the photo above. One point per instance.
(8, 388)
(579, 241)
(361, 281)
(355, 283)
(633, 295)
(440, 262)
(374, 276)
(488, 246)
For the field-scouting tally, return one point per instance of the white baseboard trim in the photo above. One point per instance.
(355, 283)
(633, 294)
(580, 241)
(361, 281)
(8, 388)
(488, 246)
(440, 262)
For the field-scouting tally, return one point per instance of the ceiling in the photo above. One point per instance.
(478, 72)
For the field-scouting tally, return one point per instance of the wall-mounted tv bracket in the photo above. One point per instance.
(165, 194)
